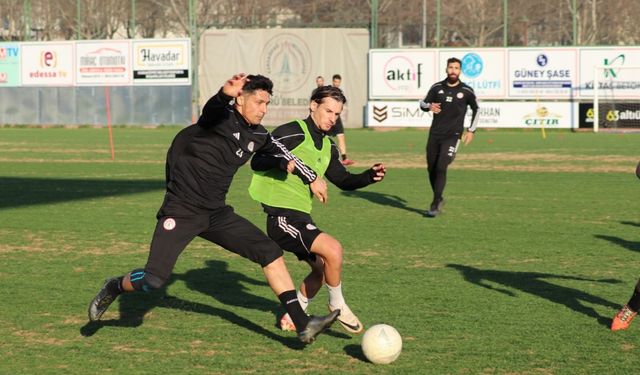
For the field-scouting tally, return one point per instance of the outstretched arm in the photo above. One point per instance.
(216, 107)
(345, 180)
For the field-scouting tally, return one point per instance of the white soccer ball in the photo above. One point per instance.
(381, 344)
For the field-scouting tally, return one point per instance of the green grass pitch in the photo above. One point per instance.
(538, 246)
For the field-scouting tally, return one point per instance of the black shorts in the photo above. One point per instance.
(222, 227)
(293, 235)
(336, 129)
(441, 151)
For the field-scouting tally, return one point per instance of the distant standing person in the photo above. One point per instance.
(448, 101)
(319, 81)
(338, 129)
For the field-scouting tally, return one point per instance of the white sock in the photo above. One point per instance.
(304, 301)
(336, 300)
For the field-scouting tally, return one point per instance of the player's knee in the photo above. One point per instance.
(145, 281)
(267, 258)
(441, 166)
(334, 255)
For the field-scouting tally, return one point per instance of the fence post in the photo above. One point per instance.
(374, 25)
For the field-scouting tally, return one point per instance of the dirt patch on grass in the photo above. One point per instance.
(34, 244)
(129, 349)
(34, 338)
(516, 162)
(107, 159)
(30, 242)
(512, 161)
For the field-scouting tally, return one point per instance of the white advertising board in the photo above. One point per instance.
(106, 62)
(543, 73)
(519, 114)
(405, 74)
(397, 114)
(161, 62)
(47, 64)
(615, 78)
(482, 69)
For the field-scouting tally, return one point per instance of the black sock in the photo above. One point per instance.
(344, 157)
(634, 301)
(289, 301)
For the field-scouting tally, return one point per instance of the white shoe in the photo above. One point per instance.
(286, 324)
(348, 319)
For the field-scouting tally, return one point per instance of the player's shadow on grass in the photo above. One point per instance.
(216, 281)
(630, 223)
(25, 191)
(355, 351)
(383, 199)
(536, 284)
(631, 245)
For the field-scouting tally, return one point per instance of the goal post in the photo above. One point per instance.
(616, 98)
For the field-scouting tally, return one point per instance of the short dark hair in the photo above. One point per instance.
(336, 76)
(327, 92)
(454, 60)
(258, 82)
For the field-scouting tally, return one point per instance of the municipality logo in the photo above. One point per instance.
(472, 65)
(286, 59)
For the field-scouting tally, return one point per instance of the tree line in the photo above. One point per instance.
(414, 23)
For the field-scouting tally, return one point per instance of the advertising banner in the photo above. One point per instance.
(106, 62)
(406, 74)
(482, 69)
(399, 114)
(9, 64)
(619, 77)
(161, 62)
(292, 59)
(612, 116)
(47, 64)
(543, 73)
(491, 114)
(585, 115)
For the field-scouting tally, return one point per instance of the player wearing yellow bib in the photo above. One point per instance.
(288, 203)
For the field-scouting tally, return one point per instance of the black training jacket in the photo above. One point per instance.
(204, 157)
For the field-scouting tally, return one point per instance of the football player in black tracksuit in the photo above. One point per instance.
(448, 101)
(201, 163)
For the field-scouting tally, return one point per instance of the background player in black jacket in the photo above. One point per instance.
(338, 129)
(448, 101)
(201, 163)
(288, 206)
